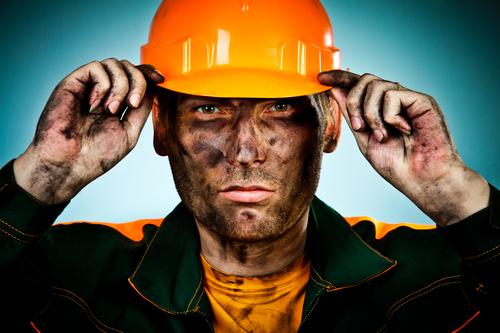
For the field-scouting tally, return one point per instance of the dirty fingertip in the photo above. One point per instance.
(356, 123)
(135, 100)
(404, 130)
(378, 135)
(113, 106)
(94, 105)
(160, 75)
(325, 78)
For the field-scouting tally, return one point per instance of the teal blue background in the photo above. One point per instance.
(446, 48)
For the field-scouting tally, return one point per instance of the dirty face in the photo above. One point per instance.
(246, 168)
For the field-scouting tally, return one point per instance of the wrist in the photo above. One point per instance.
(457, 195)
(51, 183)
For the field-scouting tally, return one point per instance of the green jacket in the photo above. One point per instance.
(146, 276)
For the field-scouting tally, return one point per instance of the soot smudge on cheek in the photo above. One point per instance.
(183, 151)
(212, 155)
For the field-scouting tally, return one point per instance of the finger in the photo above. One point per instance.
(402, 106)
(151, 73)
(119, 85)
(373, 107)
(137, 82)
(393, 110)
(338, 78)
(355, 102)
(90, 77)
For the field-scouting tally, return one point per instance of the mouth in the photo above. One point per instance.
(246, 194)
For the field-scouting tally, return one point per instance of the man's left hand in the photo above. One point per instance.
(404, 136)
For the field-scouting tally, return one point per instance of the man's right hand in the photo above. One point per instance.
(82, 132)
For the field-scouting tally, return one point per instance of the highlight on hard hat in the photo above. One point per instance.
(241, 48)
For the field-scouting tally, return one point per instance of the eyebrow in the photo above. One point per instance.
(185, 99)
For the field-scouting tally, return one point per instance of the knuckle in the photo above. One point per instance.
(390, 94)
(352, 105)
(369, 77)
(111, 60)
(375, 85)
(125, 61)
(430, 98)
(96, 66)
(113, 66)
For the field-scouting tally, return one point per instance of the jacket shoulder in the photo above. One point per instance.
(381, 229)
(134, 231)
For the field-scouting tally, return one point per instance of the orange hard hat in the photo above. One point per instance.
(241, 48)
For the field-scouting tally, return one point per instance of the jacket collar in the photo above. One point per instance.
(170, 274)
(339, 256)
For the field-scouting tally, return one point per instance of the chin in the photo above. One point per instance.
(248, 224)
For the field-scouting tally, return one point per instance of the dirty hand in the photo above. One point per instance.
(85, 128)
(404, 136)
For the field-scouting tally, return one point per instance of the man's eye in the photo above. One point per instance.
(281, 107)
(208, 109)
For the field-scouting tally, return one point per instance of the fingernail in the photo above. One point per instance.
(159, 73)
(356, 123)
(378, 135)
(404, 131)
(113, 107)
(94, 105)
(135, 99)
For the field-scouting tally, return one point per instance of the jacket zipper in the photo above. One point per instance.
(308, 313)
(209, 324)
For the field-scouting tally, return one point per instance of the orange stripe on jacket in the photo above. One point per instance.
(381, 228)
(131, 230)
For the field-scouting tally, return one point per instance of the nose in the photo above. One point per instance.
(246, 146)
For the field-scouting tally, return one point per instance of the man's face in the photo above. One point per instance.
(246, 168)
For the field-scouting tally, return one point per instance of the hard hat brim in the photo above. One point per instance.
(243, 83)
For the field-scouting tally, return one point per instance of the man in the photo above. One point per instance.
(250, 248)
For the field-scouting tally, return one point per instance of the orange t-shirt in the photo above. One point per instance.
(267, 303)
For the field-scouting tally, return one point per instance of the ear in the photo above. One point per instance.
(333, 124)
(159, 137)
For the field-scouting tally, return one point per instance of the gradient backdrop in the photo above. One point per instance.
(446, 48)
